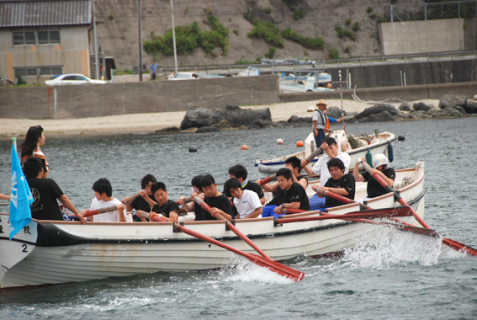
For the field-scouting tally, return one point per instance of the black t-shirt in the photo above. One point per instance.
(302, 177)
(166, 208)
(374, 188)
(347, 182)
(296, 193)
(279, 197)
(45, 206)
(220, 202)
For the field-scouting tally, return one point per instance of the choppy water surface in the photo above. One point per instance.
(404, 276)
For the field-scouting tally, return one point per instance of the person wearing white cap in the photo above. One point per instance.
(319, 123)
(374, 188)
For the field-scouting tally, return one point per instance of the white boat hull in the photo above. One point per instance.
(60, 252)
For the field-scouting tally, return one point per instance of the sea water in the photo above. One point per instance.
(402, 276)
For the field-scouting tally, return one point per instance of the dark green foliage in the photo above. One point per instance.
(373, 16)
(369, 10)
(348, 21)
(189, 37)
(333, 53)
(265, 30)
(268, 10)
(20, 81)
(298, 14)
(344, 33)
(292, 5)
(347, 50)
(236, 32)
(271, 53)
(243, 61)
(356, 26)
(310, 43)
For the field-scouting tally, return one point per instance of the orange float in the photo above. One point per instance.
(300, 144)
(244, 147)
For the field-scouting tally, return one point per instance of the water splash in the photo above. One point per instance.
(386, 248)
(241, 269)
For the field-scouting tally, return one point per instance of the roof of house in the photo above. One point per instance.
(44, 13)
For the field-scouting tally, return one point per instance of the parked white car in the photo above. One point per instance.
(72, 78)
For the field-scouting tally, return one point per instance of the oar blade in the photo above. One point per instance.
(276, 267)
(459, 246)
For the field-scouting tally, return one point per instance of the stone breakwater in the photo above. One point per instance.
(211, 120)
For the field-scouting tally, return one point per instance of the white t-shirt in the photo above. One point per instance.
(107, 216)
(247, 203)
(321, 166)
(320, 119)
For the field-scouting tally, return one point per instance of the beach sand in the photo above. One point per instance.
(150, 122)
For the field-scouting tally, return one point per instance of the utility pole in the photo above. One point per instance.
(174, 37)
(96, 60)
(139, 39)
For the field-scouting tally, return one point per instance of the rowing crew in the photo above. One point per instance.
(242, 199)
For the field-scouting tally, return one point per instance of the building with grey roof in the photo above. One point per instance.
(42, 38)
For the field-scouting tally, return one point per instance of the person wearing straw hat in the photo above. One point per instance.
(319, 123)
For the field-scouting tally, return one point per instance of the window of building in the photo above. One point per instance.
(48, 37)
(24, 38)
(35, 71)
(21, 38)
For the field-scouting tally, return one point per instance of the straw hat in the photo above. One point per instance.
(321, 102)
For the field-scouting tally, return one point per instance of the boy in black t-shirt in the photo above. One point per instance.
(220, 204)
(139, 203)
(45, 193)
(295, 196)
(164, 208)
(339, 183)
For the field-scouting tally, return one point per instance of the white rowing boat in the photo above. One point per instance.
(375, 143)
(54, 252)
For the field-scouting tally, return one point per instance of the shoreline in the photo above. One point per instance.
(149, 123)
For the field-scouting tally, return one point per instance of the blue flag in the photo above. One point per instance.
(21, 198)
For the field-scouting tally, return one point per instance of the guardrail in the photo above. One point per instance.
(336, 63)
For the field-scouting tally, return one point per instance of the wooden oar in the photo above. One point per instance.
(186, 200)
(234, 229)
(307, 160)
(273, 266)
(89, 213)
(450, 243)
(427, 232)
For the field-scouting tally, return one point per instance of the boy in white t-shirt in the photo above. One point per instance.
(246, 202)
(103, 199)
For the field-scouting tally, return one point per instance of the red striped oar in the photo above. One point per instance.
(385, 214)
(450, 243)
(234, 229)
(111, 208)
(273, 266)
(186, 200)
(308, 160)
(101, 210)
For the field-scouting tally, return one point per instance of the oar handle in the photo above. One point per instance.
(131, 198)
(316, 152)
(268, 179)
(397, 196)
(186, 200)
(101, 210)
(291, 211)
(207, 208)
(155, 218)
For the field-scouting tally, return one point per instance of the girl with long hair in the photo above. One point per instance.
(35, 138)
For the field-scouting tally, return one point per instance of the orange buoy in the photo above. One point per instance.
(244, 147)
(300, 144)
(280, 141)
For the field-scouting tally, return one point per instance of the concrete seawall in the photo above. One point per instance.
(122, 98)
(168, 96)
(409, 93)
